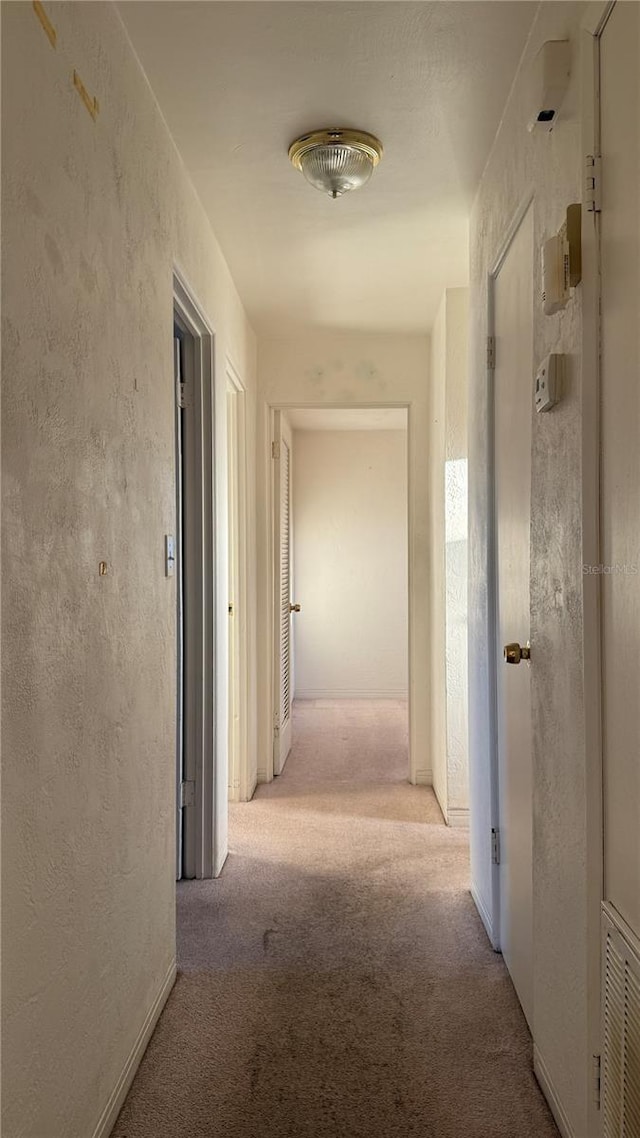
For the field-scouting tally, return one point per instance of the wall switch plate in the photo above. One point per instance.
(548, 382)
(169, 554)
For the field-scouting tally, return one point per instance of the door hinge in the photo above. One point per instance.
(593, 183)
(491, 353)
(187, 793)
(596, 1080)
(495, 846)
(276, 724)
(181, 393)
(275, 450)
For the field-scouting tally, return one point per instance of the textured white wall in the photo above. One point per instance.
(94, 216)
(550, 166)
(350, 563)
(456, 553)
(327, 369)
(448, 554)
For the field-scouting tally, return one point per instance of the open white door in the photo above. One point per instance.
(513, 324)
(283, 607)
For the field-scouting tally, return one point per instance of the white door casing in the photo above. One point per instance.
(240, 783)
(282, 462)
(233, 602)
(620, 464)
(178, 562)
(513, 328)
(204, 841)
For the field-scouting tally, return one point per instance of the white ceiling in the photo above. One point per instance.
(238, 81)
(348, 419)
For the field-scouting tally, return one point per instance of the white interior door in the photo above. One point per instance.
(620, 517)
(513, 316)
(283, 604)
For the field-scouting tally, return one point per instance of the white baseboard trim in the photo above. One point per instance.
(423, 777)
(458, 816)
(351, 693)
(111, 1111)
(484, 917)
(549, 1091)
(253, 787)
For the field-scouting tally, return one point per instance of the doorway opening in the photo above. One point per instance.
(341, 588)
(240, 785)
(190, 559)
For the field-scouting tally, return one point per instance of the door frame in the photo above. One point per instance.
(594, 24)
(280, 735)
(492, 919)
(414, 770)
(240, 788)
(201, 587)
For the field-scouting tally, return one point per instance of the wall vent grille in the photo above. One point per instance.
(621, 1044)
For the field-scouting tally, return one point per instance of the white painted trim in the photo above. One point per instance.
(458, 817)
(438, 800)
(492, 557)
(549, 1091)
(349, 693)
(240, 777)
(483, 913)
(207, 849)
(115, 1103)
(596, 17)
(616, 919)
(423, 777)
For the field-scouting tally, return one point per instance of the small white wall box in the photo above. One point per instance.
(548, 382)
(551, 74)
(562, 263)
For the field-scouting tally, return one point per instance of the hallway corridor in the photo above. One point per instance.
(336, 981)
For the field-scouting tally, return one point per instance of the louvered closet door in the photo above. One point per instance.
(621, 1032)
(284, 654)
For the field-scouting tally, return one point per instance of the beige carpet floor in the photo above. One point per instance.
(336, 981)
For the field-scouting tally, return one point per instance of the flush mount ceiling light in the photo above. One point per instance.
(336, 161)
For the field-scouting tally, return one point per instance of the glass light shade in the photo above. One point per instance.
(336, 161)
(336, 169)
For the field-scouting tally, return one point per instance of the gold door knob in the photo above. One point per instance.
(294, 608)
(513, 653)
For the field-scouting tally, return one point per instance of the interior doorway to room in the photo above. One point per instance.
(340, 498)
(175, 562)
(237, 605)
(189, 558)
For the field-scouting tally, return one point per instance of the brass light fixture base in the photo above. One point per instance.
(339, 136)
(336, 160)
